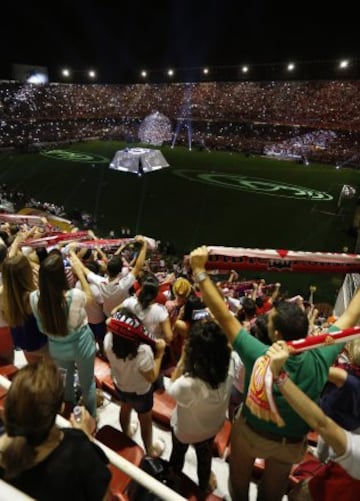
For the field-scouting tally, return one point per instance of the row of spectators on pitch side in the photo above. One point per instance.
(20, 199)
(311, 103)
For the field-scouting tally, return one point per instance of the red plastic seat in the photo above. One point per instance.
(101, 371)
(125, 447)
(222, 440)
(8, 370)
(163, 408)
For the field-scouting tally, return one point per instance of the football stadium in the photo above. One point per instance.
(179, 264)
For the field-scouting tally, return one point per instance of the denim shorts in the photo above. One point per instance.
(140, 403)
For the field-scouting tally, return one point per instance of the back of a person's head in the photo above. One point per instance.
(260, 331)
(249, 307)
(290, 321)
(114, 266)
(18, 279)
(31, 405)
(41, 253)
(207, 353)
(94, 267)
(181, 288)
(52, 273)
(52, 303)
(149, 290)
(192, 304)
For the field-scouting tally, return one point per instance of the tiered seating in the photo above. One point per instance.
(128, 449)
(183, 485)
(102, 370)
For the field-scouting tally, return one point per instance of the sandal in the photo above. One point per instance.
(157, 448)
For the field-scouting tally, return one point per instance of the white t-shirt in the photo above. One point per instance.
(239, 371)
(114, 292)
(200, 411)
(94, 309)
(152, 317)
(350, 461)
(126, 373)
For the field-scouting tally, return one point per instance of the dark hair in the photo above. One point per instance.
(249, 307)
(93, 266)
(114, 266)
(260, 331)
(149, 290)
(41, 253)
(192, 303)
(290, 320)
(207, 353)
(52, 303)
(31, 405)
(87, 254)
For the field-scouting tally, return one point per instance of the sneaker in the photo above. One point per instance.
(133, 426)
(158, 447)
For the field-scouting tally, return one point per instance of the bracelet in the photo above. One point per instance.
(200, 277)
(281, 379)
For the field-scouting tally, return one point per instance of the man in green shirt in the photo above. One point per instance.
(255, 438)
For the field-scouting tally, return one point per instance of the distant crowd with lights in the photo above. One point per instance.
(319, 120)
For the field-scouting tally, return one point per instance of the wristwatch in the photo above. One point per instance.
(200, 277)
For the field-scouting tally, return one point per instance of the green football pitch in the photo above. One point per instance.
(218, 198)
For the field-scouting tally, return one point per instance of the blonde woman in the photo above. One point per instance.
(18, 283)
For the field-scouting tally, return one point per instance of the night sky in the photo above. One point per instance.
(119, 41)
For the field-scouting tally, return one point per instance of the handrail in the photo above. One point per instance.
(123, 464)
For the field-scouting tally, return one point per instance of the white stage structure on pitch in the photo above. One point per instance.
(138, 160)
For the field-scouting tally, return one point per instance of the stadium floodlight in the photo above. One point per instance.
(206, 71)
(343, 64)
(144, 73)
(291, 67)
(92, 74)
(170, 73)
(65, 73)
(245, 69)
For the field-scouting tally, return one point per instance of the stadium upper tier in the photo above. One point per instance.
(311, 103)
(248, 116)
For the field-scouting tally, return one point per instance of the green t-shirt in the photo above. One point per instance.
(308, 370)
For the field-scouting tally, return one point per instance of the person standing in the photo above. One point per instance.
(251, 436)
(61, 315)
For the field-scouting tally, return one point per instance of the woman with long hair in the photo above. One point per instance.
(18, 283)
(61, 315)
(37, 457)
(201, 385)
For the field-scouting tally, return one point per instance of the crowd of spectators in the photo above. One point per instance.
(246, 116)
